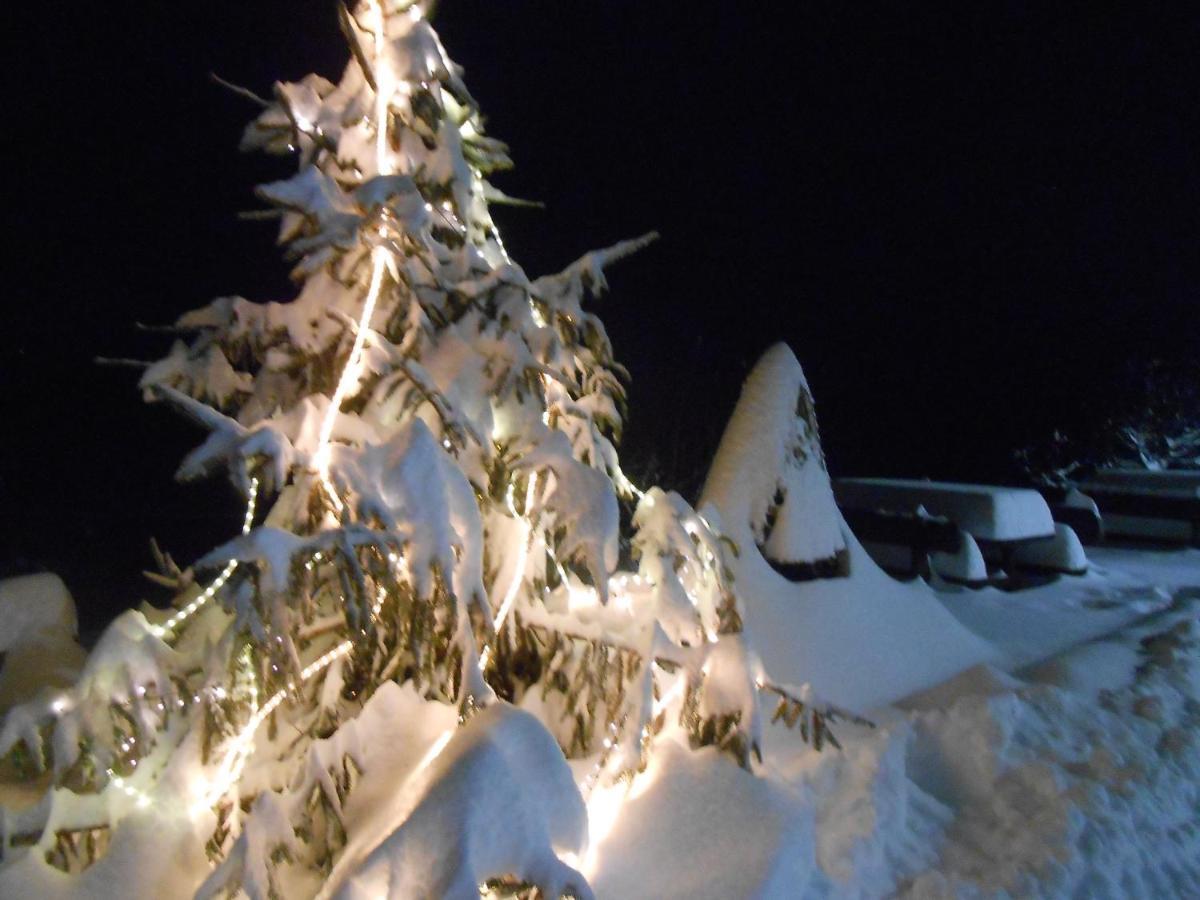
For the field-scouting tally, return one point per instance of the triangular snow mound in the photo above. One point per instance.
(862, 641)
(770, 466)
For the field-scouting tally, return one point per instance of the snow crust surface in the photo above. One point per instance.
(986, 512)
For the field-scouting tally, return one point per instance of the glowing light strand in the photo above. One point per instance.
(350, 373)
(239, 751)
(168, 627)
(604, 806)
(141, 798)
(379, 259)
(242, 746)
(510, 595)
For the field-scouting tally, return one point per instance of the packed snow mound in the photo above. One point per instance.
(966, 564)
(861, 641)
(687, 804)
(769, 469)
(1062, 553)
(38, 639)
(498, 800)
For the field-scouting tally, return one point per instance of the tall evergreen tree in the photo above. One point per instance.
(426, 440)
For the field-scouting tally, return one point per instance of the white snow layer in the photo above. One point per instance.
(496, 799)
(861, 641)
(37, 640)
(986, 512)
(1079, 779)
(770, 448)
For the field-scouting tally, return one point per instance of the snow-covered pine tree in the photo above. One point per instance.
(426, 441)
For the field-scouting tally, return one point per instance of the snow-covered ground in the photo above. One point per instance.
(1063, 765)
(1076, 776)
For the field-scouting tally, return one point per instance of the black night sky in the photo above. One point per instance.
(964, 218)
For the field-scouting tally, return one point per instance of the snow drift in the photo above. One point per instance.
(38, 641)
(770, 459)
(891, 638)
(498, 800)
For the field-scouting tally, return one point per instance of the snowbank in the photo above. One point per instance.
(707, 804)
(495, 798)
(861, 641)
(38, 638)
(769, 468)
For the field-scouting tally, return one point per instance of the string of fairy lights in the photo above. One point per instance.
(240, 749)
(167, 628)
